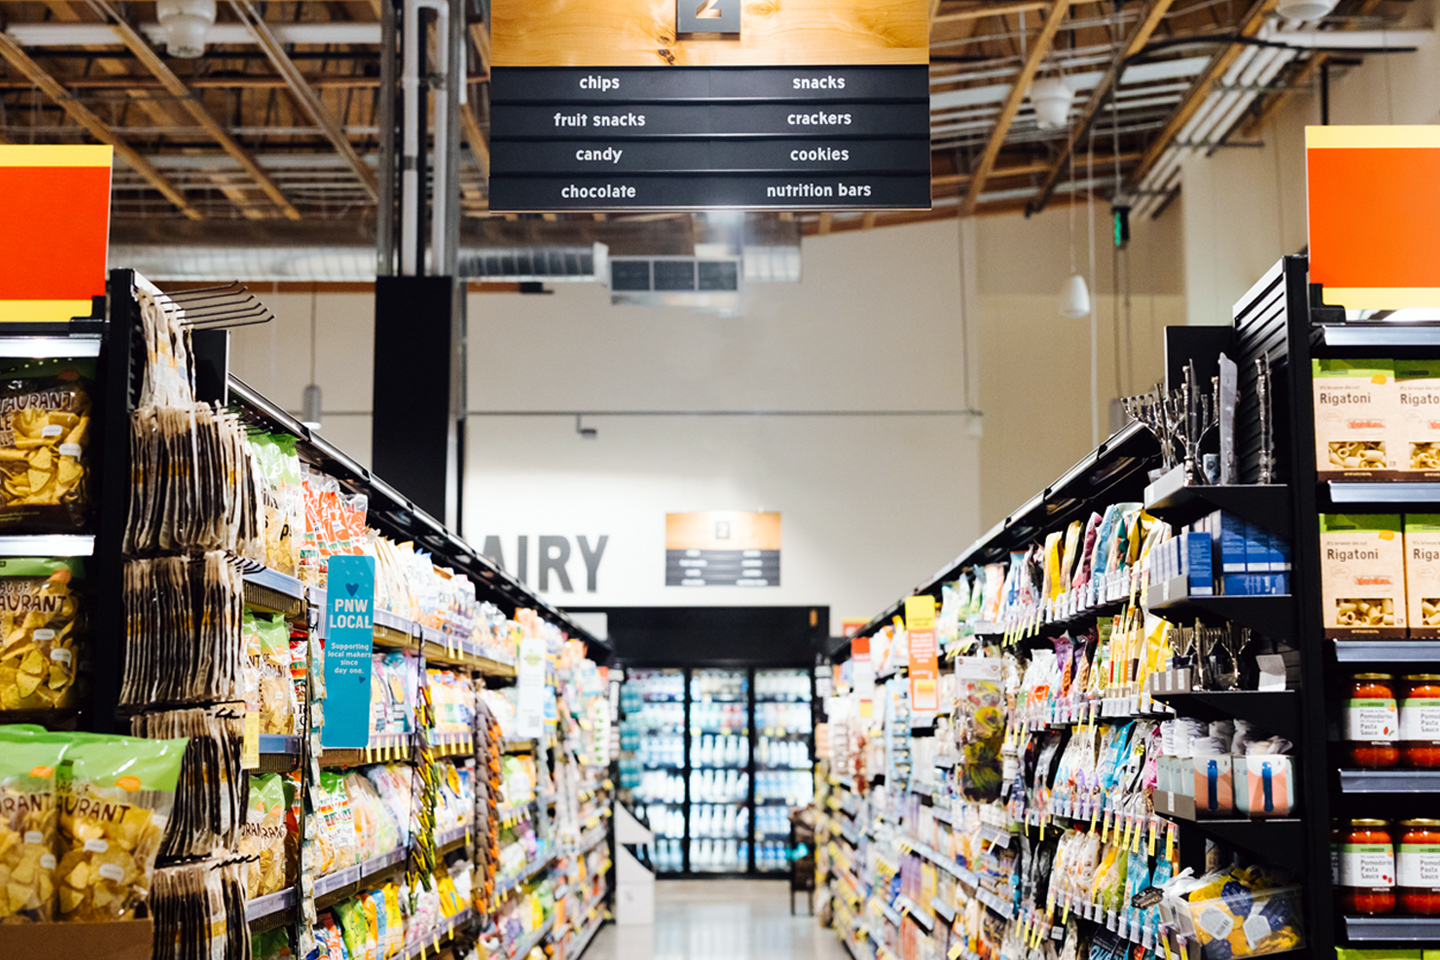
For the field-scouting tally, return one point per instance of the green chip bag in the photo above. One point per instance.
(29, 774)
(112, 819)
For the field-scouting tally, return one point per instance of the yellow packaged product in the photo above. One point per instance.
(112, 818)
(41, 630)
(28, 817)
(44, 434)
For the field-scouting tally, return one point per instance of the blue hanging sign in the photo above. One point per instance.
(349, 646)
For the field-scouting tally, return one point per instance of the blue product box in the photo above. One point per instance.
(1199, 564)
(1257, 548)
(1232, 542)
(1255, 584)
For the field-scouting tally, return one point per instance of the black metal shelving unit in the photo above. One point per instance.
(1320, 331)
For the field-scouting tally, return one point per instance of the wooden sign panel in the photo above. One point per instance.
(709, 104)
(56, 231)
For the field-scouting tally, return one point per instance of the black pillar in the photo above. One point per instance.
(417, 432)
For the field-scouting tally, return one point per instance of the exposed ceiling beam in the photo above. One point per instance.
(868, 221)
(306, 96)
(98, 129)
(192, 105)
(132, 82)
(1150, 17)
(1200, 90)
(1039, 47)
(480, 34)
(827, 219)
(479, 146)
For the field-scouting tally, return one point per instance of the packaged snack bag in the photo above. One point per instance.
(112, 819)
(41, 630)
(28, 819)
(264, 836)
(44, 433)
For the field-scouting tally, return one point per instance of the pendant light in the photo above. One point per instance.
(1300, 11)
(1075, 298)
(185, 23)
(1051, 97)
(311, 404)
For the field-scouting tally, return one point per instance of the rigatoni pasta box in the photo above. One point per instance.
(1422, 573)
(1415, 438)
(1362, 575)
(1355, 414)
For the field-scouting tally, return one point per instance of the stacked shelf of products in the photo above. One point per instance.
(201, 613)
(1162, 677)
(712, 760)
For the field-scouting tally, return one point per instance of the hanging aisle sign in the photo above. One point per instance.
(55, 211)
(530, 689)
(1374, 199)
(924, 665)
(806, 104)
(349, 647)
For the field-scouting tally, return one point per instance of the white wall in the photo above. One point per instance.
(1244, 208)
(869, 504)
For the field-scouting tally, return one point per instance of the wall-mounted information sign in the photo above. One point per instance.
(722, 548)
(705, 104)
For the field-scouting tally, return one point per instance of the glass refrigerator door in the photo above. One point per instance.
(719, 771)
(653, 758)
(783, 776)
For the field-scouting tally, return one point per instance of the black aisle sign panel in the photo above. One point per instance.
(675, 138)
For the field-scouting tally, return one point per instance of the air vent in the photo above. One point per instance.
(675, 274)
(534, 264)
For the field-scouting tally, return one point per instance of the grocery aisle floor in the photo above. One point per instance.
(721, 920)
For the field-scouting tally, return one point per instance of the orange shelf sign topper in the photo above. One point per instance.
(1374, 199)
(54, 230)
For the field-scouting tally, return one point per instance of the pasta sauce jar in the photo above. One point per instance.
(1417, 867)
(1372, 723)
(1420, 720)
(1367, 868)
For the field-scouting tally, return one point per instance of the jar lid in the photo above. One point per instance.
(1369, 823)
(1425, 677)
(1420, 823)
(1374, 676)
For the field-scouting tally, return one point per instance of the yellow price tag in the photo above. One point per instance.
(1105, 829)
(954, 952)
(1165, 942)
(1139, 829)
(1094, 812)
(1170, 843)
(1065, 914)
(1154, 831)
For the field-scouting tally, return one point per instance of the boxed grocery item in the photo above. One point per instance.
(1415, 435)
(1265, 785)
(1422, 573)
(1355, 414)
(1362, 575)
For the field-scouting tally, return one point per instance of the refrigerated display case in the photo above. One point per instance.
(652, 762)
(714, 759)
(718, 837)
(783, 758)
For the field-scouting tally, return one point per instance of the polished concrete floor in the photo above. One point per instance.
(721, 920)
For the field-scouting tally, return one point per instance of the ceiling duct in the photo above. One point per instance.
(537, 264)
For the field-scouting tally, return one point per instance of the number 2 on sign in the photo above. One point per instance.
(708, 10)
